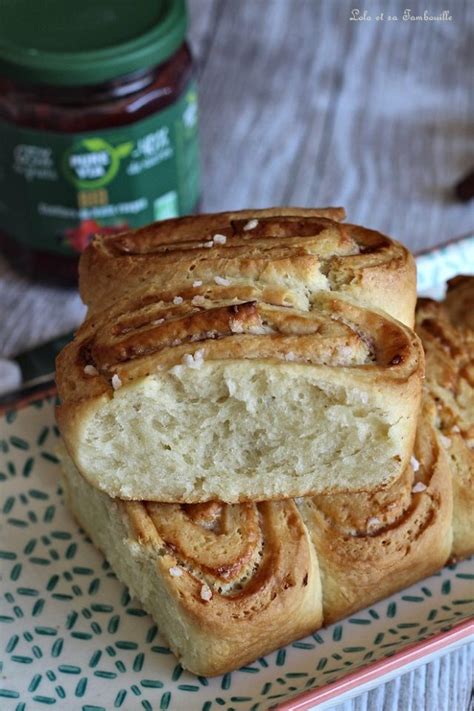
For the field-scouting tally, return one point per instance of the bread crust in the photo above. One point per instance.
(297, 250)
(371, 544)
(446, 330)
(227, 583)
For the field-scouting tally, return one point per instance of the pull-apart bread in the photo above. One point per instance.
(286, 254)
(230, 391)
(447, 332)
(228, 583)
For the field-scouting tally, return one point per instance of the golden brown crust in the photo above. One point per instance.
(239, 580)
(153, 336)
(448, 340)
(370, 545)
(296, 250)
(247, 555)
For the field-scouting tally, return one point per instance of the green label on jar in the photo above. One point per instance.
(57, 190)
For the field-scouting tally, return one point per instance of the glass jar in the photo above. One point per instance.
(92, 138)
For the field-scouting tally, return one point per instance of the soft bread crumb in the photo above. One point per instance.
(116, 382)
(251, 225)
(303, 426)
(91, 370)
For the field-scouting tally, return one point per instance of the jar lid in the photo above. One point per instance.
(78, 42)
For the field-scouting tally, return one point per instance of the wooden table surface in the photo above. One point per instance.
(300, 105)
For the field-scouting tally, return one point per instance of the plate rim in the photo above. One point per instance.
(23, 401)
(372, 671)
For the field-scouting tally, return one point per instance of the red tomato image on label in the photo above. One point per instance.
(79, 237)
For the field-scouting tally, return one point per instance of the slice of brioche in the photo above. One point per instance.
(287, 253)
(189, 402)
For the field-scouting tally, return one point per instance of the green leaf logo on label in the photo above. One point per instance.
(93, 162)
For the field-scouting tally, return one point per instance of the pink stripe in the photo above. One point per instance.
(373, 671)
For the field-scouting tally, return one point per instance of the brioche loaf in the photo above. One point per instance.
(224, 357)
(287, 253)
(239, 401)
(228, 583)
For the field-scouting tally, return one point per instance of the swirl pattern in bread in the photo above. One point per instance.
(447, 333)
(288, 253)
